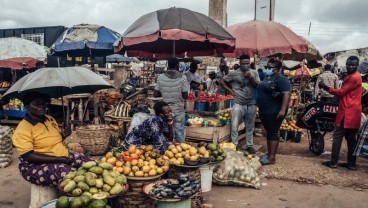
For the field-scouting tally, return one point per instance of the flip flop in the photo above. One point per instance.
(345, 165)
(329, 165)
(264, 160)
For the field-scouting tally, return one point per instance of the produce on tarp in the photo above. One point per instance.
(236, 170)
(98, 181)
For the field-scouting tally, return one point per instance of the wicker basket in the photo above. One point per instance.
(94, 138)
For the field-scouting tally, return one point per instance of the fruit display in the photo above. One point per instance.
(185, 154)
(97, 181)
(81, 202)
(15, 104)
(294, 99)
(228, 145)
(195, 121)
(216, 152)
(225, 117)
(5, 84)
(143, 161)
(180, 188)
(290, 126)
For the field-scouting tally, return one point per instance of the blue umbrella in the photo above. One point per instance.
(85, 40)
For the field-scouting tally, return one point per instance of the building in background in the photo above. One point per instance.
(217, 10)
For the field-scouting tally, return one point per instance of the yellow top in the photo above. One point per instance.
(34, 136)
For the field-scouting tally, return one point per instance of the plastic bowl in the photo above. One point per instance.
(191, 163)
(204, 159)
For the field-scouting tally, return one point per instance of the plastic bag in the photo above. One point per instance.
(6, 148)
(236, 170)
(138, 119)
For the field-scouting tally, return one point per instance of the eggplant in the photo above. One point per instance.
(185, 184)
(188, 189)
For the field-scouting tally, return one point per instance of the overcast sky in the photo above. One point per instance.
(336, 24)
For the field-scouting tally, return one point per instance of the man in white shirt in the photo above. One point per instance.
(212, 84)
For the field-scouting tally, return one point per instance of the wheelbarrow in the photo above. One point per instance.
(318, 118)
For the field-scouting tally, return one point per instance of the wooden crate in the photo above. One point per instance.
(215, 134)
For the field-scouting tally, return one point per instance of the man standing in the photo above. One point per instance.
(328, 78)
(211, 83)
(192, 74)
(242, 81)
(173, 87)
(348, 115)
(224, 70)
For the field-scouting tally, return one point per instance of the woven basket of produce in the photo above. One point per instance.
(94, 138)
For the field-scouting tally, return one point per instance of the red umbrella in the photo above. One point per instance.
(175, 32)
(264, 38)
(302, 72)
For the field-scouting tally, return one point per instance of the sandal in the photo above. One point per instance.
(329, 165)
(345, 165)
(264, 160)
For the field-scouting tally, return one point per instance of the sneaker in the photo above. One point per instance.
(251, 150)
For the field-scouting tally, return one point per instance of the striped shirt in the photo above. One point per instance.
(330, 79)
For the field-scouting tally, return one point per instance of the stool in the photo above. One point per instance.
(42, 194)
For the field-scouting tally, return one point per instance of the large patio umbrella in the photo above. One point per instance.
(312, 53)
(85, 40)
(264, 38)
(57, 82)
(19, 53)
(175, 32)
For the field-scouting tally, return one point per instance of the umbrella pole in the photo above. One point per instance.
(58, 60)
(174, 49)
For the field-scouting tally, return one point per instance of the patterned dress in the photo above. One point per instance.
(152, 131)
(50, 174)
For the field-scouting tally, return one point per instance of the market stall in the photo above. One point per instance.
(209, 118)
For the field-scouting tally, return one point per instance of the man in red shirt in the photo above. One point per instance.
(349, 114)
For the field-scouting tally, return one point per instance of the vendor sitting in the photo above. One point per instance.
(44, 160)
(154, 130)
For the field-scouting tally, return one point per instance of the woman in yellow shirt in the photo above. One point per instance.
(44, 159)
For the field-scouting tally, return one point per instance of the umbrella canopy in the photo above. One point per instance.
(302, 72)
(85, 40)
(57, 82)
(19, 53)
(265, 38)
(175, 32)
(312, 53)
(117, 58)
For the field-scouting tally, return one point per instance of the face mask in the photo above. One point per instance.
(268, 71)
(245, 67)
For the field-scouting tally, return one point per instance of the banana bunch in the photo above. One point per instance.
(122, 109)
(213, 122)
(4, 84)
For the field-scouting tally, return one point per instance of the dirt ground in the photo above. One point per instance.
(297, 180)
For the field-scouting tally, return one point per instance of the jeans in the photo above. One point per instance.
(179, 123)
(246, 113)
(350, 136)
